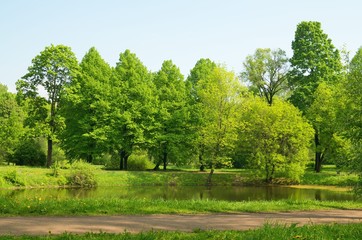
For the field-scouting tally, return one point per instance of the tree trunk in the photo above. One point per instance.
(121, 158)
(125, 161)
(164, 160)
(90, 158)
(50, 152)
(318, 154)
(157, 167)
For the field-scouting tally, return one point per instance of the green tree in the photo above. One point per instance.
(51, 70)
(276, 139)
(133, 106)
(220, 96)
(202, 70)
(266, 71)
(85, 108)
(11, 122)
(322, 114)
(314, 60)
(351, 115)
(172, 134)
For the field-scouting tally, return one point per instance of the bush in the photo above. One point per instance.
(139, 161)
(82, 175)
(13, 178)
(30, 153)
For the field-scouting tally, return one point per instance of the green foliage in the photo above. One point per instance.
(139, 161)
(29, 152)
(85, 107)
(267, 70)
(172, 131)
(314, 60)
(276, 139)
(52, 69)
(82, 175)
(11, 117)
(220, 96)
(132, 106)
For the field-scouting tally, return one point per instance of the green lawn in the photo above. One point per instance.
(42, 177)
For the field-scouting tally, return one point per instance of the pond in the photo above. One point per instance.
(240, 193)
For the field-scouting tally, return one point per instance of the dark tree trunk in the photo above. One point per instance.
(121, 159)
(125, 161)
(318, 154)
(50, 152)
(157, 167)
(164, 160)
(90, 158)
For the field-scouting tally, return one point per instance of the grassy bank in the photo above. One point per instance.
(41, 177)
(115, 206)
(270, 232)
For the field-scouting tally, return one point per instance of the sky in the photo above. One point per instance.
(226, 31)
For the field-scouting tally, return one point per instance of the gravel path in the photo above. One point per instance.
(137, 223)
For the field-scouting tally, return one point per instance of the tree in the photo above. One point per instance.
(172, 134)
(267, 70)
(351, 115)
(276, 139)
(85, 108)
(11, 122)
(314, 60)
(322, 114)
(202, 70)
(133, 106)
(220, 96)
(52, 70)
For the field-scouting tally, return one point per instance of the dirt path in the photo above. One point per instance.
(117, 224)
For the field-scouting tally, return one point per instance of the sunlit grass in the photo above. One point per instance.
(113, 206)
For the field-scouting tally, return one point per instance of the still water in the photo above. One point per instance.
(244, 193)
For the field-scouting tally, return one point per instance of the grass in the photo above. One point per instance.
(268, 231)
(116, 206)
(330, 177)
(42, 177)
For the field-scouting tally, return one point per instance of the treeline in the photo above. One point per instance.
(274, 117)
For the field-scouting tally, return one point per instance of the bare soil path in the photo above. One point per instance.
(137, 223)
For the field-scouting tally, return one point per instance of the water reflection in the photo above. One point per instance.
(245, 193)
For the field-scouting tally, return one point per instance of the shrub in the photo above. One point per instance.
(139, 161)
(30, 153)
(13, 178)
(82, 175)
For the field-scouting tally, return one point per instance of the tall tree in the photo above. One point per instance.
(85, 107)
(202, 70)
(52, 70)
(267, 70)
(133, 106)
(220, 96)
(351, 115)
(11, 122)
(314, 60)
(172, 118)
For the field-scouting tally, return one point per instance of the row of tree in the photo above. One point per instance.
(210, 117)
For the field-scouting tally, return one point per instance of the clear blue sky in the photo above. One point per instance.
(225, 31)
